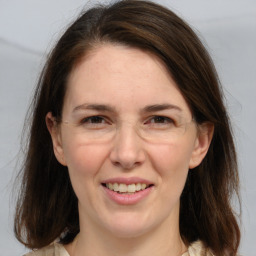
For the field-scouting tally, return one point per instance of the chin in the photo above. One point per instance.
(129, 226)
(128, 231)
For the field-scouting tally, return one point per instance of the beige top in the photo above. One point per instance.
(56, 249)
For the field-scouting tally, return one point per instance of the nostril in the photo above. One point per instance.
(116, 163)
(127, 153)
(125, 165)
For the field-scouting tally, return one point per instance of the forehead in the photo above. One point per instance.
(121, 75)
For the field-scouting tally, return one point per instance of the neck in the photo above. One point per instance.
(161, 241)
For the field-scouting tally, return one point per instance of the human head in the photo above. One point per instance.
(149, 27)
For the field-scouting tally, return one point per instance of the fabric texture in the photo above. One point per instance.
(56, 249)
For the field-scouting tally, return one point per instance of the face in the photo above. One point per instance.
(128, 141)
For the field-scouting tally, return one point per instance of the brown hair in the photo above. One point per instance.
(47, 206)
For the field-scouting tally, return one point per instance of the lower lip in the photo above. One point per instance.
(128, 199)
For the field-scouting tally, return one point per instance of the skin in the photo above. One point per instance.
(127, 80)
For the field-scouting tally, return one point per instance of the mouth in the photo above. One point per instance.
(128, 191)
(122, 188)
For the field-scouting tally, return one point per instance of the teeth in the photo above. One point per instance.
(115, 187)
(138, 186)
(123, 188)
(131, 188)
(143, 186)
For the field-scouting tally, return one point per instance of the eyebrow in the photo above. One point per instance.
(98, 107)
(107, 108)
(160, 107)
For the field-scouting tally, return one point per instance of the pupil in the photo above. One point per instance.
(159, 119)
(96, 119)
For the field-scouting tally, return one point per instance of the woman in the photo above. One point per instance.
(130, 149)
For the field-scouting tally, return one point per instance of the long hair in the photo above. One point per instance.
(47, 205)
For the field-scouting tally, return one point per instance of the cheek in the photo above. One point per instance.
(84, 159)
(84, 163)
(171, 157)
(172, 164)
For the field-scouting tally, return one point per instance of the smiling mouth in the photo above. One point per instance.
(126, 189)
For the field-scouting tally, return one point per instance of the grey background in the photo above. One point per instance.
(28, 29)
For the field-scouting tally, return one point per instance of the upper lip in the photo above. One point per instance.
(127, 181)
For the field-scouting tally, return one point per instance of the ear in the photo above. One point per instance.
(55, 133)
(202, 144)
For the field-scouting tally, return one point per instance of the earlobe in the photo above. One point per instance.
(202, 144)
(54, 131)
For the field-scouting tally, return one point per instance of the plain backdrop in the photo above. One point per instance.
(29, 28)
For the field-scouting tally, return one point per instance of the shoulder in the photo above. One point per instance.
(197, 248)
(54, 249)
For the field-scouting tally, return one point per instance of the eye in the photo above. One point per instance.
(93, 120)
(159, 120)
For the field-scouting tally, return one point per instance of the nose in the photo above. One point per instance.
(127, 151)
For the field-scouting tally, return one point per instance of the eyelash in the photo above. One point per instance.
(94, 120)
(163, 120)
(91, 118)
(158, 120)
